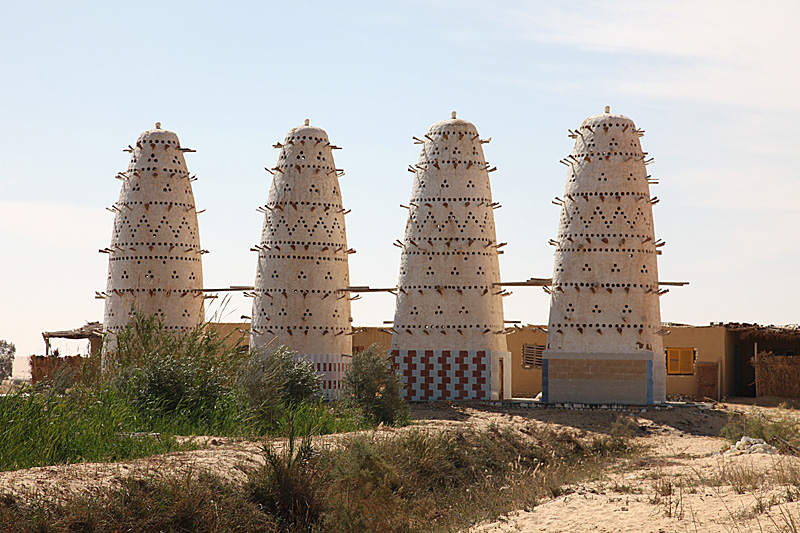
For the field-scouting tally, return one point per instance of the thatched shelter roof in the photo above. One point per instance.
(770, 332)
(91, 329)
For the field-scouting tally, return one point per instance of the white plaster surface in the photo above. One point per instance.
(446, 299)
(605, 281)
(155, 256)
(302, 256)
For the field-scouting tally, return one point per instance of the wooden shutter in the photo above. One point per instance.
(680, 361)
(532, 355)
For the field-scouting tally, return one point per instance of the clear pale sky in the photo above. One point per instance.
(715, 84)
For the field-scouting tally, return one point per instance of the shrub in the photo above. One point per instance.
(783, 433)
(270, 380)
(7, 351)
(164, 373)
(198, 502)
(289, 485)
(372, 384)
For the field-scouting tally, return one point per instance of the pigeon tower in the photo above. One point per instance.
(603, 342)
(448, 340)
(154, 261)
(299, 297)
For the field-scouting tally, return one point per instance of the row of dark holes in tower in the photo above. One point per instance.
(444, 287)
(330, 244)
(172, 171)
(183, 329)
(311, 328)
(486, 254)
(154, 290)
(640, 327)
(571, 309)
(163, 258)
(425, 239)
(295, 257)
(603, 235)
(283, 167)
(428, 163)
(420, 201)
(151, 243)
(261, 290)
(615, 250)
(443, 326)
(603, 285)
(607, 194)
(603, 154)
(288, 203)
(303, 138)
(173, 204)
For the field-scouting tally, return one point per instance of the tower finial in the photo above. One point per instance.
(307, 122)
(608, 109)
(158, 125)
(453, 114)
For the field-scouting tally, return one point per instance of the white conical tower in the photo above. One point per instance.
(155, 256)
(448, 337)
(603, 343)
(302, 259)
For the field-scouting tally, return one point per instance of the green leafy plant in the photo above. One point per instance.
(372, 384)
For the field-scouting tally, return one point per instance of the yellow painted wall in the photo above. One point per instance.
(369, 336)
(711, 344)
(234, 331)
(525, 382)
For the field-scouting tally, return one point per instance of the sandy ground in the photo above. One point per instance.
(677, 484)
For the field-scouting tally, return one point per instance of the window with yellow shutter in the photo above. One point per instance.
(680, 361)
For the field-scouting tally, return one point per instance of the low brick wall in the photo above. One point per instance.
(620, 378)
(43, 367)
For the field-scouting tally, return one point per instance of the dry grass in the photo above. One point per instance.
(414, 480)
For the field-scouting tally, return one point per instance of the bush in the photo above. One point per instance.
(7, 351)
(163, 373)
(270, 380)
(372, 384)
(783, 433)
(289, 484)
